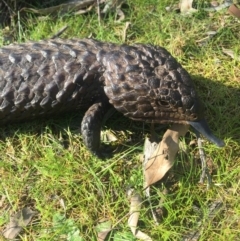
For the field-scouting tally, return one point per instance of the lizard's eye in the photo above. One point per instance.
(163, 103)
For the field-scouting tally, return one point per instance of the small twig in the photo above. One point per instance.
(82, 11)
(19, 26)
(135, 207)
(153, 211)
(11, 13)
(125, 31)
(212, 212)
(59, 32)
(9, 9)
(121, 15)
(205, 172)
(99, 13)
(150, 146)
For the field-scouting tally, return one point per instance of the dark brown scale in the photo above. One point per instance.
(153, 82)
(20, 102)
(46, 102)
(116, 89)
(160, 72)
(130, 106)
(78, 77)
(130, 60)
(125, 86)
(145, 107)
(175, 76)
(5, 106)
(164, 91)
(133, 68)
(130, 96)
(137, 114)
(171, 64)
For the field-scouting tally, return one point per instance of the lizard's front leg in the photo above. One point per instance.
(91, 125)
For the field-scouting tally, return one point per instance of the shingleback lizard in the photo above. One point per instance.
(143, 82)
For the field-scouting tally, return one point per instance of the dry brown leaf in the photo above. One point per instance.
(135, 206)
(234, 11)
(102, 235)
(103, 229)
(17, 222)
(163, 157)
(108, 136)
(230, 53)
(205, 40)
(186, 7)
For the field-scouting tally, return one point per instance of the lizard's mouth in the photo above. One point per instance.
(203, 128)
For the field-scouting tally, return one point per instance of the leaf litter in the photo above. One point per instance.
(186, 7)
(230, 53)
(17, 222)
(158, 159)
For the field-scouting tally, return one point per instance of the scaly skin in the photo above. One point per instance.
(45, 78)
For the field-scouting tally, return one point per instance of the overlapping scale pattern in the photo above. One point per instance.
(146, 83)
(143, 82)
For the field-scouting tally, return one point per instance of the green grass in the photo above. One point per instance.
(45, 166)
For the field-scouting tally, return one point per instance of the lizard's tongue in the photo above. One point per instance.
(203, 128)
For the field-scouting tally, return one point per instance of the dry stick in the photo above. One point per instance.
(99, 13)
(135, 206)
(84, 11)
(9, 9)
(62, 8)
(125, 30)
(59, 32)
(213, 210)
(19, 26)
(205, 172)
(11, 12)
(150, 146)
